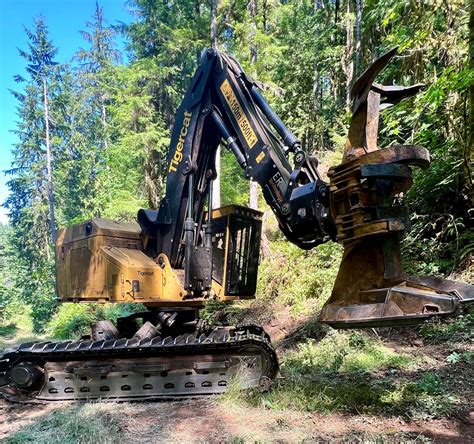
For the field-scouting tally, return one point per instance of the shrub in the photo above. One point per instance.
(73, 320)
(302, 279)
(342, 352)
(454, 330)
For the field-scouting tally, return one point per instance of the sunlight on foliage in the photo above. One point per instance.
(73, 320)
(311, 383)
(301, 279)
(355, 373)
(452, 330)
(344, 353)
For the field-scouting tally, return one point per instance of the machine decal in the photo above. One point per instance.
(178, 153)
(236, 108)
(145, 273)
(276, 191)
(279, 181)
(260, 157)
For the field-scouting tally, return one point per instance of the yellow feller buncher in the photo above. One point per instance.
(172, 260)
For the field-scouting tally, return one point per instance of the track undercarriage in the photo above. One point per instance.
(154, 363)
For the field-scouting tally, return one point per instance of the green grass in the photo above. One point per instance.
(17, 326)
(426, 397)
(458, 329)
(8, 329)
(361, 394)
(73, 320)
(78, 424)
(354, 373)
(20, 339)
(344, 353)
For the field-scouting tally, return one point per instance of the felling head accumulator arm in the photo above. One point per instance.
(223, 104)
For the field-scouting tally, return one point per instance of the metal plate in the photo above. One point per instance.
(185, 377)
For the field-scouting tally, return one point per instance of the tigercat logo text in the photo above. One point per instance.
(145, 273)
(178, 152)
(239, 114)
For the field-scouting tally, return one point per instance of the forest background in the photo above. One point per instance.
(93, 136)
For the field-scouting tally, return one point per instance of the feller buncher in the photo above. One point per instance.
(174, 259)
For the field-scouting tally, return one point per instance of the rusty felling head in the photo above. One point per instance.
(365, 190)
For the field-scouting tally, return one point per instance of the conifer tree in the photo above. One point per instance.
(33, 183)
(42, 75)
(88, 98)
(95, 60)
(31, 202)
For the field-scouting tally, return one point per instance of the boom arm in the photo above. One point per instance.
(222, 104)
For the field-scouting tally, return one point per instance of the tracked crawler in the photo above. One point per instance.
(138, 369)
(174, 259)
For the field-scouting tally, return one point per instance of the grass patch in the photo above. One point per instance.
(311, 329)
(216, 313)
(20, 339)
(79, 424)
(361, 394)
(394, 438)
(20, 330)
(454, 330)
(352, 372)
(424, 398)
(343, 352)
(17, 320)
(8, 329)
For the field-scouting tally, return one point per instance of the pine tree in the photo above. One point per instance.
(85, 173)
(42, 71)
(31, 202)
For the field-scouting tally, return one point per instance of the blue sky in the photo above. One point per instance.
(64, 18)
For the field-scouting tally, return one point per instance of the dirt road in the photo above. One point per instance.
(208, 420)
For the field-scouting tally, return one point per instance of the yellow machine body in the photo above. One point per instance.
(105, 261)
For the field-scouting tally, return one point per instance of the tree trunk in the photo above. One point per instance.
(52, 223)
(252, 8)
(103, 112)
(357, 35)
(471, 87)
(264, 15)
(253, 195)
(214, 23)
(469, 156)
(336, 11)
(216, 184)
(348, 63)
(315, 90)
